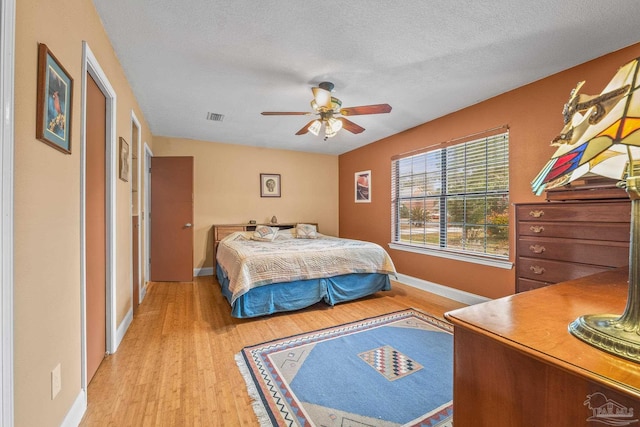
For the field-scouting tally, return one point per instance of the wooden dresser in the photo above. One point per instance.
(559, 241)
(516, 364)
(220, 231)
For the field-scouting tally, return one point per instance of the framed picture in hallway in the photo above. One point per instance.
(363, 187)
(124, 160)
(55, 96)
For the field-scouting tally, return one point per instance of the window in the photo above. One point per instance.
(455, 198)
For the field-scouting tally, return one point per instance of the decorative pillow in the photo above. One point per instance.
(306, 231)
(286, 234)
(265, 233)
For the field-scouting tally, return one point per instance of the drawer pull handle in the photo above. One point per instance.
(536, 228)
(536, 214)
(537, 269)
(537, 249)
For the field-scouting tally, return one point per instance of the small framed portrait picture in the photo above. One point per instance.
(363, 187)
(269, 185)
(124, 160)
(55, 95)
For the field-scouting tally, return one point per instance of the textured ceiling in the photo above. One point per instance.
(425, 58)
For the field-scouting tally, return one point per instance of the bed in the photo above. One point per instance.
(263, 272)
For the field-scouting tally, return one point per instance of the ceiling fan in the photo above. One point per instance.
(327, 107)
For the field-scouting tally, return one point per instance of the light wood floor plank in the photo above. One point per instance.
(176, 366)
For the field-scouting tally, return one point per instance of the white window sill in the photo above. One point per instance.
(458, 256)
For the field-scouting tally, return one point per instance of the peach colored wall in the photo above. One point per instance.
(534, 115)
(227, 187)
(47, 211)
(47, 193)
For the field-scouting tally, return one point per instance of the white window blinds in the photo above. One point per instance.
(454, 198)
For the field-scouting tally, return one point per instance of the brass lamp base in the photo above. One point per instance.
(619, 334)
(605, 332)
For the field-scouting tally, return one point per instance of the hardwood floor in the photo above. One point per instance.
(176, 367)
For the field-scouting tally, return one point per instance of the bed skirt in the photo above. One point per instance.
(277, 297)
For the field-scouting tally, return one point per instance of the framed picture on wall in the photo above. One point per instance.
(363, 187)
(269, 185)
(55, 96)
(124, 160)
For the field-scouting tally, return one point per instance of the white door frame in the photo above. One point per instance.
(136, 180)
(147, 212)
(90, 65)
(7, 64)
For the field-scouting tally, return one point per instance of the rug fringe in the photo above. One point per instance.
(256, 400)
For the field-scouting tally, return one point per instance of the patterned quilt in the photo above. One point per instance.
(250, 263)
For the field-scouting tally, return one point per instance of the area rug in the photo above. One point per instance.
(387, 371)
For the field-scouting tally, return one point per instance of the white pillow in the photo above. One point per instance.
(286, 234)
(265, 233)
(306, 231)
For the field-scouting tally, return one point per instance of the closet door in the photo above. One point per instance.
(96, 234)
(171, 219)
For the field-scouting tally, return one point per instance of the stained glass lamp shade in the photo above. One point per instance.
(601, 137)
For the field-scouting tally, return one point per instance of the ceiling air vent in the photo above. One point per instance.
(215, 117)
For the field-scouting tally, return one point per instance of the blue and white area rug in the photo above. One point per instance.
(387, 371)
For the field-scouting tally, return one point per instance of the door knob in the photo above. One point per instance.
(187, 225)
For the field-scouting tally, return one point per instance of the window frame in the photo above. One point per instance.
(440, 197)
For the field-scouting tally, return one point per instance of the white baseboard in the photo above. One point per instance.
(76, 412)
(444, 291)
(205, 271)
(122, 329)
(143, 292)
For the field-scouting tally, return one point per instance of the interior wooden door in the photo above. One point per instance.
(171, 219)
(96, 230)
(135, 219)
(135, 247)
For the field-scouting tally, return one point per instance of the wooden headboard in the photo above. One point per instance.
(220, 231)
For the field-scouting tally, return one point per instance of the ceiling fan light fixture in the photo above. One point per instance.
(314, 127)
(329, 133)
(336, 104)
(325, 108)
(322, 97)
(336, 124)
(331, 127)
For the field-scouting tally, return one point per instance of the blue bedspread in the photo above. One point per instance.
(278, 297)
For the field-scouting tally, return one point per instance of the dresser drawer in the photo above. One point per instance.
(617, 231)
(610, 254)
(576, 212)
(560, 241)
(523, 285)
(554, 271)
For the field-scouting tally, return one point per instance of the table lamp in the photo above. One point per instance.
(601, 137)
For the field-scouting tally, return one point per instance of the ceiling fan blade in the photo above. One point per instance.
(350, 126)
(305, 129)
(366, 109)
(285, 113)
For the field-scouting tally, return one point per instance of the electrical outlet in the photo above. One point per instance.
(56, 382)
